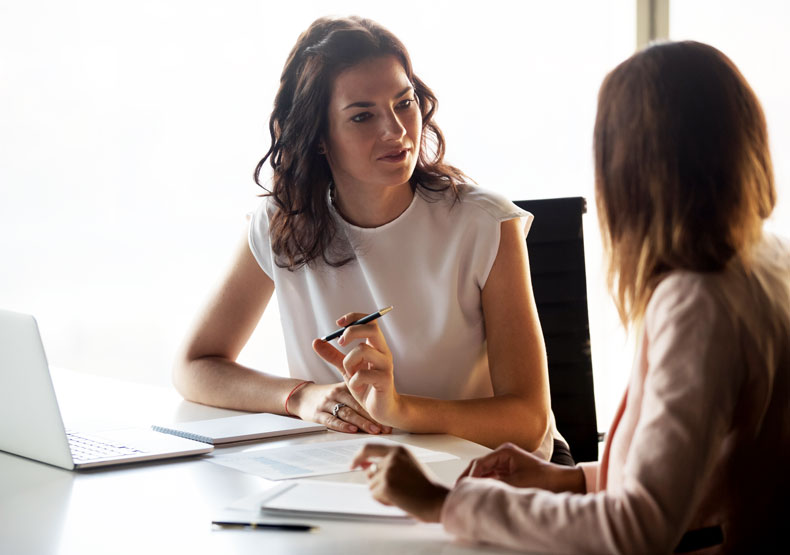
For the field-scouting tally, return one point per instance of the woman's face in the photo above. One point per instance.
(374, 127)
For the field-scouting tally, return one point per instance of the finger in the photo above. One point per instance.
(364, 379)
(370, 332)
(328, 352)
(371, 470)
(494, 464)
(479, 469)
(365, 464)
(370, 451)
(350, 317)
(465, 473)
(365, 357)
(485, 466)
(353, 417)
(344, 395)
(378, 488)
(337, 424)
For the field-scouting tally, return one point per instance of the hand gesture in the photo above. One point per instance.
(396, 478)
(316, 403)
(512, 465)
(367, 368)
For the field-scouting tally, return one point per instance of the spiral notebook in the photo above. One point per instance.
(240, 428)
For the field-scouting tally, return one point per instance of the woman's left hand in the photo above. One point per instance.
(367, 368)
(396, 478)
(512, 465)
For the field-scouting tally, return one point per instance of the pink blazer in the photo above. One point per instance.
(701, 437)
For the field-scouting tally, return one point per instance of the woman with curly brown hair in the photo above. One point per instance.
(363, 213)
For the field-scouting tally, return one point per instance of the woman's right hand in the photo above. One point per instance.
(510, 464)
(315, 402)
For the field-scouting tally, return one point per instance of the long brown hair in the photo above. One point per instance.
(683, 174)
(301, 227)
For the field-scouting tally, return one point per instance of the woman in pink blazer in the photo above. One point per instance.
(698, 456)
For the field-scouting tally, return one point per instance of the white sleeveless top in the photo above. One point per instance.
(431, 264)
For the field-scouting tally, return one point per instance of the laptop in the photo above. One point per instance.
(30, 422)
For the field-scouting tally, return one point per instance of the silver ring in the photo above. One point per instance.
(337, 408)
(373, 468)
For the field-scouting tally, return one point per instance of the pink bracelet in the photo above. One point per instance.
(300, 384)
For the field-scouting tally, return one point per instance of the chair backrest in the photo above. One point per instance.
(556, 255)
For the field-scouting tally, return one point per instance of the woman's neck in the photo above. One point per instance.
(372, 208)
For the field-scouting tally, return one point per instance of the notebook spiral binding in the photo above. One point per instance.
(181, 433)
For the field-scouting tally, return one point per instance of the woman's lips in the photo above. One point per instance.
(398, 156)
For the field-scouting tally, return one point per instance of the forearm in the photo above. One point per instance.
(537, 520)
(490, 421)
(223, 383)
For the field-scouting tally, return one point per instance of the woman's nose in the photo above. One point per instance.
(392, 127)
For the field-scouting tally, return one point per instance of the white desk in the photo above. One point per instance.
(167, 506)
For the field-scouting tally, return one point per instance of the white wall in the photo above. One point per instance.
(129, 132)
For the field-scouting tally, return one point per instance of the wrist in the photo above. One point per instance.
(295, 396)
(398, 412)
(579, 484)
(570, 479)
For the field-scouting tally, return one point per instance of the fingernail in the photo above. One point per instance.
(341, 341)
(375, 430)
(352, 429)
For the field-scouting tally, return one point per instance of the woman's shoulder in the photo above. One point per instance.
(685, 291)
(749, 288)
(476, 202)
(263, 205)
(772, 257)
(769, 256)
(494, 204)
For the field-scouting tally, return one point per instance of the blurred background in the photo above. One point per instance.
(129, 132)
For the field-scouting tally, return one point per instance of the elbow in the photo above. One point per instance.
(178, 377)
(541, 428)
(533, 426)
(182, 376)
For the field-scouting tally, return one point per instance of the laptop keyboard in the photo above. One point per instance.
(84, 449)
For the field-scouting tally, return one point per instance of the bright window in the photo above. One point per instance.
(130, 132)
(754, 36)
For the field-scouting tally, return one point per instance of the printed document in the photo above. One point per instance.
(312, 459)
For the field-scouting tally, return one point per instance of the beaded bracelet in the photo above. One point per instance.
(300, 384)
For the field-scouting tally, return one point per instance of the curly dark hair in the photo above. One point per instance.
(301, 227)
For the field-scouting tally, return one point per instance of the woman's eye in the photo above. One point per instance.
(406, 103)
(359, 118)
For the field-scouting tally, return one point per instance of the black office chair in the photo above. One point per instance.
(556, 255)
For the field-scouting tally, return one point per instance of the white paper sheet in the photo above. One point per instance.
(312, 459)
(311, 498)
